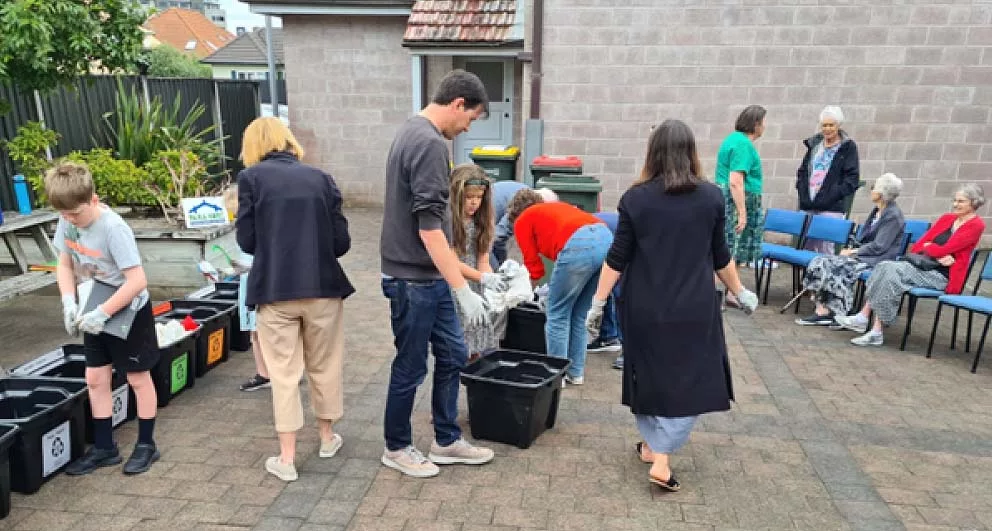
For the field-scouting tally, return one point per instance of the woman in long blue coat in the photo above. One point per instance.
(669, 241)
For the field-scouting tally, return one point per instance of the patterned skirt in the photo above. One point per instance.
(746, 246)
(832, 278)
(890, 279)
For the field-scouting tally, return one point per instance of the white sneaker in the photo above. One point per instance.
(330, 448)
(574, 380)
(871, 339)
(411, 462)
(460, 452)
(281, 470)
(855, 323)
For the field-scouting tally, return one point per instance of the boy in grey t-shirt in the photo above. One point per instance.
(95, 243)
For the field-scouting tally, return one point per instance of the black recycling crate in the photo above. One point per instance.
(525, 329)
(8, 434)
(513, 395)
(68, 361)
(51, 415)
(213, 338)
(226, 292)
(175, 370)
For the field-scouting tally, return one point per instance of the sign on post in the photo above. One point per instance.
(203, 212)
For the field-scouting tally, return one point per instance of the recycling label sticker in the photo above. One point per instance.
(215, 347)
(56, 449)
(120, 397)
(180, 371)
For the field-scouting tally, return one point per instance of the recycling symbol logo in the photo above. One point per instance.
(58, 446)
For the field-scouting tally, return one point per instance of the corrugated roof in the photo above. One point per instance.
(463, 22)
(249, 48)
(188, 31)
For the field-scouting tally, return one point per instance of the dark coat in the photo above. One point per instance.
(667, 248)
(841, 180)
(289, 218)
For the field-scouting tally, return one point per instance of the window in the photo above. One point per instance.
(191, 45)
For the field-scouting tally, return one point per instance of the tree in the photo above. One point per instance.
(48, 43)
(166, 61)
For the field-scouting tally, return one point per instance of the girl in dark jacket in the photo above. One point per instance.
(828, 173)
(669, 242)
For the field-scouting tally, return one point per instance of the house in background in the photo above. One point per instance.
(211, 9)
(591, 78)
(188, 31)
(246, 56)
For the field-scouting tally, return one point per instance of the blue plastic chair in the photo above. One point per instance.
(915, 294)
(826, 228)
(973, 304)
(780, 221)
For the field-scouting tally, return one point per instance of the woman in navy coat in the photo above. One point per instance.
(669, 241)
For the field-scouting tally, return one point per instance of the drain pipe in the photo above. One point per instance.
(535, 67)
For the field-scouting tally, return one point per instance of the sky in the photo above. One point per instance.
(239, 14)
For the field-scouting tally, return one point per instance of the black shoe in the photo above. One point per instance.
(816, 320)
(618, 363)
(610, 345)
(93, 459)
(141, 459)
(255, 383)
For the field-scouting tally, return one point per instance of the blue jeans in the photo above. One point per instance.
(573, 283)
(610, 329)
(422, 312)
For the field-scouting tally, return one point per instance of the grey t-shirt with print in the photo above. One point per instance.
(101, 251)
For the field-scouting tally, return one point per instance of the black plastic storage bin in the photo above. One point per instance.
(175, 370)
(525, 329)
(513, 395)
(51, 413)
(68, 361)
(226, 292)
(8, 434)
(213, 338)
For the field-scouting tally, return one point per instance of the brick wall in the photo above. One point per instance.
(915, 82)
(349, 87)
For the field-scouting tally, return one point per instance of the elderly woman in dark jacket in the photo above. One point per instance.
(828, 173)
(832, 278)
(669, 242)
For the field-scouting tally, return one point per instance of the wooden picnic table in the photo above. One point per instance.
(33, 223)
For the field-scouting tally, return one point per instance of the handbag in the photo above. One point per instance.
(922, 261)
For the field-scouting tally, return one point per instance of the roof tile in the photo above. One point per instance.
(177, 27)
(487, 21)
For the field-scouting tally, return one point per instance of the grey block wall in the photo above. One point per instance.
(913, 77)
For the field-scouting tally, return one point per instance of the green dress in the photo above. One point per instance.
(737, 153)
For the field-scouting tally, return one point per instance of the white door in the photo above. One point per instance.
(497, 128)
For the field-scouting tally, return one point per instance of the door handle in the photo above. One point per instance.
(506, 115)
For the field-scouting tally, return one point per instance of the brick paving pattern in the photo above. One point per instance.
(824, 436)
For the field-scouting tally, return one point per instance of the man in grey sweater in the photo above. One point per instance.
(420, 272)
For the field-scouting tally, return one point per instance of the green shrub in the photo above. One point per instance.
(27, 150)
(118, 182)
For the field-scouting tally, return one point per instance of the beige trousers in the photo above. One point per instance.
(297, 335)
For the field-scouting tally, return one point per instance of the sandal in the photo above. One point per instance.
(672, 485)
(639, 449)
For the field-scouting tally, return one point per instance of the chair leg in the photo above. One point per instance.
(800, 288)
(768, 280)
(902, 300)
(981, 344)
(967, 336)
(954, 329)
(909, 321)
(933, 333)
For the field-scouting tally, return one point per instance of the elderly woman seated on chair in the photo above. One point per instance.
(939, 261)
(832, 278)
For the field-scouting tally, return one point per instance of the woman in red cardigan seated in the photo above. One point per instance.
(578, 242)
(950, 242)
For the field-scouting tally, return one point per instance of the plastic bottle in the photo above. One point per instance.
(23, 197)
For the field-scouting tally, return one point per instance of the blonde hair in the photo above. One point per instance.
(68, 185)
(471, 177)
(231, 201)
(265, 135)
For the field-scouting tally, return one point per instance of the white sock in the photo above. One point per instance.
(861, 319)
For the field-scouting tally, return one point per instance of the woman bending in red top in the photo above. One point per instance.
(578, 242)
(950, 241)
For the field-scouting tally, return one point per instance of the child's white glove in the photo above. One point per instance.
(594, 319)
(94, 321)
(748, 300)
(493, 282)
(472, 306)
(70, 311)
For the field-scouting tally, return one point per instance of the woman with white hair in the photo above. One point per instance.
(828, 173)
(832, 278)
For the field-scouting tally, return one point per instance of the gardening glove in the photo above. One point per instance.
(93, 322)
(472, 305)
(748, 300)
(493, 282)
(69, 314)
(594, 319)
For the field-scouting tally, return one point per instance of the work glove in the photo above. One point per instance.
(493, 282)
(748, 300)
(472, 305)
(69, 314)
(594, 319)
(93, 322)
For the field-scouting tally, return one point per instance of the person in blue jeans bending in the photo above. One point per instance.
(578, 242)
(610, 337)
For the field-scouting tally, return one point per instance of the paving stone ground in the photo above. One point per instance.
(823, 436)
